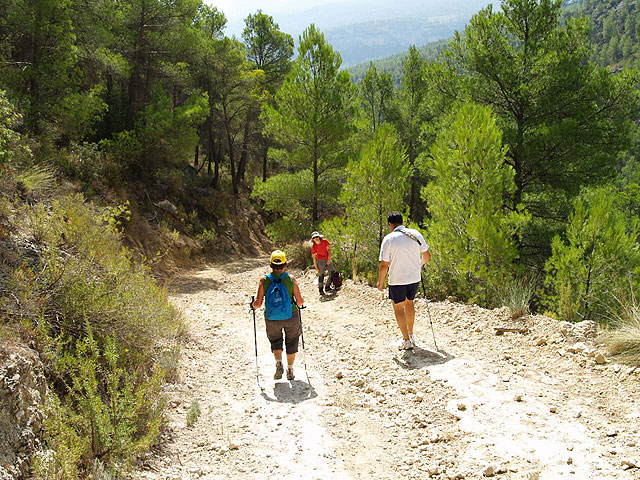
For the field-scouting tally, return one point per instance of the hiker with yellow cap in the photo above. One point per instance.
(282, 298)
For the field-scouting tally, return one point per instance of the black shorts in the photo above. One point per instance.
(400, 293)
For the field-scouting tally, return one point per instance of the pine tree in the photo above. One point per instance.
(312, 118)
(377, 95)
(377, 183)
(409, 121)
(592, 263)
(470, 233)
(565, 121)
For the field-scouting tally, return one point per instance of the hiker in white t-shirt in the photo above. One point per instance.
(402, 254)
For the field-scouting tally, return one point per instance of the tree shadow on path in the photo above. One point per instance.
(422, 358)
(190, 285)
(244, 265)
(293, 391)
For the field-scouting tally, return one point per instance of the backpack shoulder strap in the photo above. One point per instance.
(411, 236)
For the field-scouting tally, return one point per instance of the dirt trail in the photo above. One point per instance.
(516, 406)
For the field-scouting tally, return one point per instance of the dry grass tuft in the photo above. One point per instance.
(624, 340)
(517, 297)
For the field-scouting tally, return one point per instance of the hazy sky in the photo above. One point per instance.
(237, 10)
(293, 16)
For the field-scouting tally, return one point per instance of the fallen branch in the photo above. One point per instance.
(502, 330)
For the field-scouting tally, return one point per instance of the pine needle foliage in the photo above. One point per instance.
(471, 235)
(589, 267)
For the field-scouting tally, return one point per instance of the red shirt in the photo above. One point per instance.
(321, 249)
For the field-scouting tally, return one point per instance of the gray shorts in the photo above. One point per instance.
(322, 267)
(291, 329)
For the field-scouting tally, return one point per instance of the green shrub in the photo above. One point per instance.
(285, 230)
(108, 413)
(193, 414)
(299, 255)
(84, 275)
(104, 328)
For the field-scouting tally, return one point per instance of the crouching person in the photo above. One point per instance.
(282, 317)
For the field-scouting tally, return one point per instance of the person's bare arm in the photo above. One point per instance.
(426, 256)
(315, 260)
(328, 255)
(260, 295)
(296, 293)
(384, 267)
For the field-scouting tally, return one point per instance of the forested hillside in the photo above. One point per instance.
(612, 25)
(142, 123)
(615, 30)
(393, 63)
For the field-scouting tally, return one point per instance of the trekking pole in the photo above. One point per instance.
(304, 360)
(424, 292)
(255, 341)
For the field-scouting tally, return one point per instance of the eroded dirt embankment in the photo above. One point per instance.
(516, 406)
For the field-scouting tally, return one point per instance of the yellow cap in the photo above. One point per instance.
(278, 257)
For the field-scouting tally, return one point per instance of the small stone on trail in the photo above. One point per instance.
(233, 446)
(455, 475)
(616, 368)
(553, 409)
(612, 432)
(339, 375)
(518, 398)
(628, 463)
(569, 461)
(489, 471)
(462, 407)
(577, 348)
(600, 358)
(434, 470)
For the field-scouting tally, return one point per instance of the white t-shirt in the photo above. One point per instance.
(404, 255)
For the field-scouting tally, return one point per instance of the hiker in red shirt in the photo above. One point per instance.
(321, 253)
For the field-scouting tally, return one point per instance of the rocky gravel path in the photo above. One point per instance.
(543, 404)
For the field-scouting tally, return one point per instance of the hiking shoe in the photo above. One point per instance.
(405, 345)
(413, 341)
(279, 371)
(290, 375)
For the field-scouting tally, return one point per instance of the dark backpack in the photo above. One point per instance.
(278, 304)
(336, 279)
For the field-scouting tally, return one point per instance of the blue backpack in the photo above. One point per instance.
(278, 304)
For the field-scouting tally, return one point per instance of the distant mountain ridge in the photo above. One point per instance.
(372, 40)
(615, 33)
(363, 30)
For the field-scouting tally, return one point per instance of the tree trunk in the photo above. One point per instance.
(218, 161)
(265, 159)
(315, 190)
(232, 160)
(196, 157)
(244, 155)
